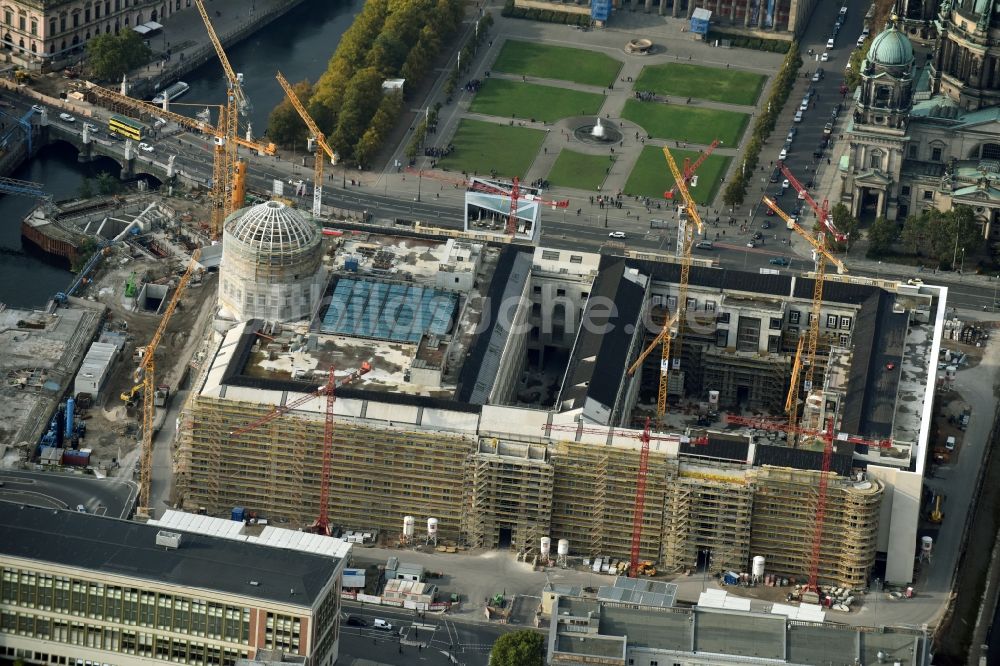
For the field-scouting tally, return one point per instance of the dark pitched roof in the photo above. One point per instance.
(599, 355)
(494, 299)
(113, 546)
(719, 448)
(717, 278)
(879, 336)
(835, 292)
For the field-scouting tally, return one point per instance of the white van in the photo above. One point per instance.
(829, 43)
(382, 624)
(843, 10)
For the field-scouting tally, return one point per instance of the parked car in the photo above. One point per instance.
(798, 117)
(825, 57)
(81, 508)
(785, 184)
(757, 235)
(750, 243)
(775, 176)
(616, 234)
(828, 129)
(770, 213)
(817, 75)
(68, 118)
(829, 43)
(950, 443)
(704, 245)
(355, 621)
(783, 154)
(804, 106)
(780, 261)
(766, 224)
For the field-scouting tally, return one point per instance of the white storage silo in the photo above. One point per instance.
(432, 529)
(713, 400)
(409, 525)
(757, 569)
(926, 546)
(545, 547)
(562, 549)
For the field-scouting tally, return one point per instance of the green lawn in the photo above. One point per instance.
(721, 85)
(499, 97)
(687, 122)
(480, 147)
(557, 62)
(584, 172)
(651, 176)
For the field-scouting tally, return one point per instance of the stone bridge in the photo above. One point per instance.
(135, 165)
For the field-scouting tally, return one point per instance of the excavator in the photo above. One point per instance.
(129, 397)
(936, 515)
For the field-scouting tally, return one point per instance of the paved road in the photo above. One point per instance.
(66, 490)
(432, 639)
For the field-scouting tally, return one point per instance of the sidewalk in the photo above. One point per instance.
(184, 42)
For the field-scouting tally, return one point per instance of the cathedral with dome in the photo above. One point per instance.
(925, 129)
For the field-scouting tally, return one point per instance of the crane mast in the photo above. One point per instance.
(147, 369)
(686, 241)
(227, 153)
(321, 145)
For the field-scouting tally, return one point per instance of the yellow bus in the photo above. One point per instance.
(126, 127)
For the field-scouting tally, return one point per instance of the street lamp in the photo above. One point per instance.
(420, 179)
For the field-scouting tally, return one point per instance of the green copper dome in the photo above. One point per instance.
(892, 48)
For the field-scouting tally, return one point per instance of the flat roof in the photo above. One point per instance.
(748, 637)
(124, 548)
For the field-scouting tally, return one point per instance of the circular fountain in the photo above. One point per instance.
(598, 133)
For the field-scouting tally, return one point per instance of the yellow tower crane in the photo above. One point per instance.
(321, 145)
(146, 373)
(226, 162)
(224, 201)
(822, 256)
(662, 338)
(791, 402)
(687, 226)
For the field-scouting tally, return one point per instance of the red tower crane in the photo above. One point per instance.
(690, 169)
(322, 524)
(640, 483)
(828, 436)
(822, 212)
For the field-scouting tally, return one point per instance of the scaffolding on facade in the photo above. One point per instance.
(783, 524)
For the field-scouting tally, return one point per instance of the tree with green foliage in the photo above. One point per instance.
(914, 234)
(881, 236)
(107, 183)
(734, 192)
(110, 56)
(519, 648)
(852, 76)
(285, 126)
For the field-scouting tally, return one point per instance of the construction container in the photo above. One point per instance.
(76, 458)
(238, 514)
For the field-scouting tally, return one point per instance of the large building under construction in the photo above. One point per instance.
(499, 405)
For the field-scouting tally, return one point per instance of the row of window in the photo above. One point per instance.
(116, 640)
(75, 16)
(128, 606)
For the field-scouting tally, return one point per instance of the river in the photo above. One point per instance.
(299, 44)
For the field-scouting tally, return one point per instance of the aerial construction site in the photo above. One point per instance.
(511, 393)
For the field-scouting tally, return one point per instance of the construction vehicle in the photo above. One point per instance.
(322, 523)
(828, 436)
(646, 568)
(130, 288)
(640, 491)
(128, 397)
(146, 374)
(322, 147)
(936, 515)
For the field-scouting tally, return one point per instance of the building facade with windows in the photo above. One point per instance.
(46, 33)
(85, 589)
(925, 132)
